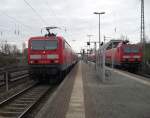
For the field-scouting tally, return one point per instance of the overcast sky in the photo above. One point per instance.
(76, 15)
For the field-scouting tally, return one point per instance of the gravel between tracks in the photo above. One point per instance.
(119, 97)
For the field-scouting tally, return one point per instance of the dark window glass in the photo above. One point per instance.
(112, 45)
(44, 44)
(127, 50)
(115, 44)
(131, 50)
(135, 50)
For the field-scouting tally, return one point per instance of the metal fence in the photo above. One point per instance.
(11, 74)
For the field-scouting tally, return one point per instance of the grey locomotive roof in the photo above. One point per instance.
(110, 42)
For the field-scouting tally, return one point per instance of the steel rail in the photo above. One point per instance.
(19, 104)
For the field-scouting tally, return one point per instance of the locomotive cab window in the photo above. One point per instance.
(131, 50)
(135, 50)
(127, 50)
(44, 44)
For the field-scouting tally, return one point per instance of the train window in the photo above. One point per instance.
(127, 49)
(44, 44)
(109, 47)
(131, 50)
(67, 46)
(112, 45)
(135, 50)
(115, 44)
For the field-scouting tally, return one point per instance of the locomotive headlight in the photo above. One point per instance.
(136, 56)
(31, 62)
(35, 56)
(52, 56)
(126, 56)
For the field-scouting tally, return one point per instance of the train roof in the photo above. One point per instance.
(47, 37)
(110, 42)
(42, 37)
(114, 41)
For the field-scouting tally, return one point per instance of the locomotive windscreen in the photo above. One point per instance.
(44, 44)
(131, 50)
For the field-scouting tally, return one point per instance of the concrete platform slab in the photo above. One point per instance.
(122, 96)
(76, 105)
(58, 102)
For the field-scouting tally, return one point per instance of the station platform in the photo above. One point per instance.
(84, 95)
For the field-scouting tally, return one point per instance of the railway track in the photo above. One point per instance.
(143, 75)
(135, 73)
(18, 105)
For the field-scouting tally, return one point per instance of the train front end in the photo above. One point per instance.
(44, 57)
(131, 56)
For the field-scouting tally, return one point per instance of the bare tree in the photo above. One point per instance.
(6, 48)
(14, 50)
(9, 49)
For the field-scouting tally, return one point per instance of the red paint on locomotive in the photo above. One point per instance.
(50, 55)
(123, 54)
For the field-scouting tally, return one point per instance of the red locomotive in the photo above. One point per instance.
(50, 56)
(91, 57)
(123, 54)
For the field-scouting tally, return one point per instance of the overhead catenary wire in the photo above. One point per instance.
(16, 31)
(52, 11)
(29, 29)
(16, 20)
(41, 18)
(56, 16)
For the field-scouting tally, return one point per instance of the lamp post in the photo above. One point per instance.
(99, 13)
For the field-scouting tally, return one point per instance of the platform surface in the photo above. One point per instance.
(84, 95)
(76, 105)
(120, 96)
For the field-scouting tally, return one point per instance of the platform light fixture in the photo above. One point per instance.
(99, 13)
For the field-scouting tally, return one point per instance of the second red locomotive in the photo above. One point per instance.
(122, 54)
